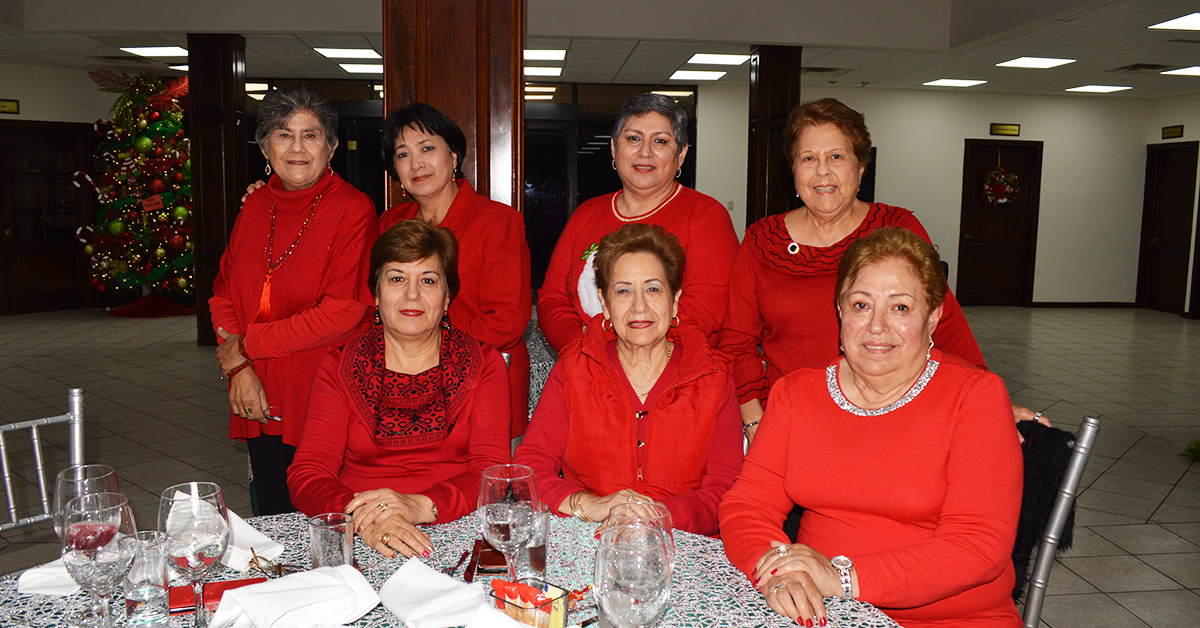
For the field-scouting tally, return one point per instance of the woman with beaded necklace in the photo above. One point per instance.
(292, 283)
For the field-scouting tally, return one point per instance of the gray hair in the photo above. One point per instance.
(649, 102)
(280, 105)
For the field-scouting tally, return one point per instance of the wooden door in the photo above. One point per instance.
(1170, 197)
(997, 242)
(42, 265)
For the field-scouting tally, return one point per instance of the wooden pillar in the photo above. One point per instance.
(217, 129)
(774, 92)
(465, 58)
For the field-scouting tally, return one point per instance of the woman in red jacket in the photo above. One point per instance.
(640, 407)
(403, 420)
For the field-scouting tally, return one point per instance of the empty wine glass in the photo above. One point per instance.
(81, 480)
(633, 575)
(93, 526)
(642, 512)
(507, 502)
(196, 525)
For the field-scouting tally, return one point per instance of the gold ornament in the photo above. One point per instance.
(134, 258)
(160, 252)
(182, 282)
(189, 246)
(89, 249)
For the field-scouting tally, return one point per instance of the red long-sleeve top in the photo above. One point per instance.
(923, 498)
(703, 228)
(494, 301)
(781, 297)
(318, 296)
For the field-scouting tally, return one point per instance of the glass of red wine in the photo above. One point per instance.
(93, 526)
(195, 522)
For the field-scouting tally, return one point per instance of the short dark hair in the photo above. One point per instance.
(428, 119)
(415, 240)
(649, 102)
(280, 105)
(641, 238)
(894, 243)
(851, 123)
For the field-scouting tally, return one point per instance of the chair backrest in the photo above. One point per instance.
(74, 420)
(1040, 576)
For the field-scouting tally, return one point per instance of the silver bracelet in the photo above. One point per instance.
(747, 426)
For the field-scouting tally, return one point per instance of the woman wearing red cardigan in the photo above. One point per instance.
(641, 407)
(649, 144)
(424, 150)
(403, 420)
(904, 458)
(292, 283)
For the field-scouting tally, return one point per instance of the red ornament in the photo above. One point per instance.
(156, 186)
(177, 178)
(177, 242)
(133, 215)
(154, 116)
(157, 152)
(101, 288)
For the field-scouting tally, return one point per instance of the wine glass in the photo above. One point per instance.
(633, 575)
(81, 480)
(643, 512)
(196, 525)
(93, 526)
(507, 502)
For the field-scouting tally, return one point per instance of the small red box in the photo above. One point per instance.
(182, 600)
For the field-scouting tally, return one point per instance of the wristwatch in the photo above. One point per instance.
(843, 565)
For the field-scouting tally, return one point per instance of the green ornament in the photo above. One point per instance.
(187, 166)
(180, 212)
(142, 144)
(116, 228)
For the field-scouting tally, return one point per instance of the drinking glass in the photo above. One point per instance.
(507, 502)
(331, 539)
(633, 575)
(146, 585)
(81, 480)
(531, 558)
(643, 512)
(193, 518)
(93, 527)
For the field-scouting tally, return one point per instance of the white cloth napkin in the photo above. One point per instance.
(424, 598)
(329, 595)
(242, 537)
(49, 579)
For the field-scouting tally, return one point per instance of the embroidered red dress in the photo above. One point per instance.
(781, 296)
(432, 433)
(318, 295)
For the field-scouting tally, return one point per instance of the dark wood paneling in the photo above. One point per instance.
(774, 92)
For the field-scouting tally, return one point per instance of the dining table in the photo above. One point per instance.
(706, 589)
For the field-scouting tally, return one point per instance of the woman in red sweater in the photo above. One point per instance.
(649, 144)
(403, 420)
(292, 283)
(903, 457)
(424, 150)
(640, 407)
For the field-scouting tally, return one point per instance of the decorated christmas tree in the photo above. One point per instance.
(143, 231)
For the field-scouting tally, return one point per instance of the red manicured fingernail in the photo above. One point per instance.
(425, 553)
(822, 622)
(799, 622)
(774, 571)
(756, 581)
(808, 623)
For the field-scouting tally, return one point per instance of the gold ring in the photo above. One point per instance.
(246, 409)
(782, 550)
(383, 506)
(386, 538)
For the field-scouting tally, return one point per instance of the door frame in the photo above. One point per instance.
(1190, 310)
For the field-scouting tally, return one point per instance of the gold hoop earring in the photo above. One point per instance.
(679, 172)
(329, 167)
(606, 325)
(614, 163)
(268, 168)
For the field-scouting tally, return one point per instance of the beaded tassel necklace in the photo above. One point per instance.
(269, 267)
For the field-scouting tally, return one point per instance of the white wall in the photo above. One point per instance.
(53, 93)
(722, 133)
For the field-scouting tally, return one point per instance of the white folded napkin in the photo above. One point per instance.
(49, 579)
(489, 617)
(242, 537)
(324, 596)
(424, 598)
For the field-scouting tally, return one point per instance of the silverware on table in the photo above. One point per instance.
(450, 571)
(469, 574)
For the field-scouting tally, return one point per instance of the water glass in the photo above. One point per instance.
(80, 480)
(93, 527)
(195, 522)
(146, 584)
(531, 559)
(642, 512)
(331, 539)
(633, 576)
(507, 502)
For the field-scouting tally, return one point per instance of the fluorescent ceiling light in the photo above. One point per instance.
(707, 59)
(545, 55)
(540, 89)
(539, 97)
(954, 83)
(597, 144)
(379, 88)
(363, 68)
(159, 51)
(349, 53)
(256, 87)
(695, 75)
(1185, 23)
(540, 71)
(1040, 63)
(1192, 71)
(674, 94)
(181, 68)
(256, 96)
(1098, 89)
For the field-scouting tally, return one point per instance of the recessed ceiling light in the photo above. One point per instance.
(707, 59)
(954, 83)
(539, 96)
(1192, 71)
(1040, 63)
(181, 68)
(1098, 89)
(256, 87)
(674, 94)
(256, 96)
(362, 68)
(541, 71)
(695, 75)
(157, 51)
(1185, 23)
(349, 53)
(545, 55)
(540, 89)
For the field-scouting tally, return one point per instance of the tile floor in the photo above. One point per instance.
(154, 412)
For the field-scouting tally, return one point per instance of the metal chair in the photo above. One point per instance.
(1040, 577)
(74, 419)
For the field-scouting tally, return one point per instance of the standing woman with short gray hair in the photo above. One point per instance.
(292, 283)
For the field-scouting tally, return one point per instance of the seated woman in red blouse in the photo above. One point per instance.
(640, 408)
(904, 458)
(402, 421)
